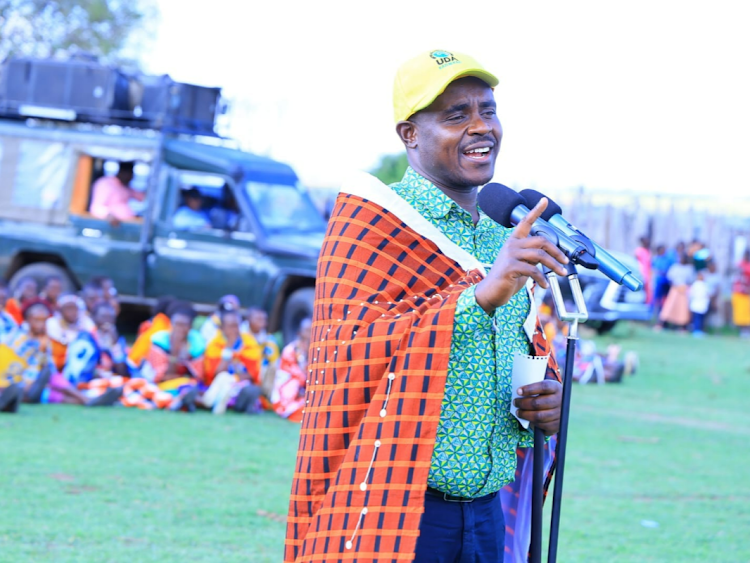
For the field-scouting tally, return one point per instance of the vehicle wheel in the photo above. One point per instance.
(40, 271)
(298, 306)
(605, 327)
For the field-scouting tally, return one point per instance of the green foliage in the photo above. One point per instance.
(107, 29)
(656, 471)
(391, 168)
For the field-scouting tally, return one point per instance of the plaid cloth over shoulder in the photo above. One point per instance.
(383, 321)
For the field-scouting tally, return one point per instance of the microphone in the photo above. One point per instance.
(608, 265)
(506, 206)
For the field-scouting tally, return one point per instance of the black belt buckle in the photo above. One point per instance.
(453, 498)
(448, 497)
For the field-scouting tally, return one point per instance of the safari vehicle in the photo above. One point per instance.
(266, 254)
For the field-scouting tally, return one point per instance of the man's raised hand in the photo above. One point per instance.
(517, 261)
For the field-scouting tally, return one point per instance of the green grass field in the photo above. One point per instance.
(657, 471)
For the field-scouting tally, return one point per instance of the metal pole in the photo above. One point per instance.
(562, 439)
(537, 498)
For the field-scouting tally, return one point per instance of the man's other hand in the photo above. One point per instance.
(540, 405)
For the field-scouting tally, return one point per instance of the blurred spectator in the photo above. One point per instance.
(676, 310)
(26, 290)
(91, 294)
(258, 324)
(212, 325)
(109, 291)
(236, 359)
(661, 263)
(63, 327)
(53, 287)
(643, 255)
(288, 398)
(8, 325)
(111, 195)
(157, 323)
(700, 300)
(191, 215)
(741, 296)
(174, 361)
(28, 352)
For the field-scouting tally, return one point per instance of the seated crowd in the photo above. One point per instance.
(58, 347)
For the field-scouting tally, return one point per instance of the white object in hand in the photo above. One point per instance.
(526, 370)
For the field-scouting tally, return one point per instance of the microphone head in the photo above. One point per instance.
(498, 202)
(532, 197)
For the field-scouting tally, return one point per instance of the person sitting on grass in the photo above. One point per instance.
(29, 351)
(97, 361)
(63, 327)
(8, 325)
(212, 324)
(232, 368)
(174, 361)
(288, 396)
(157, 323)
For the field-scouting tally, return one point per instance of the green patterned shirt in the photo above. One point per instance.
(475, 447)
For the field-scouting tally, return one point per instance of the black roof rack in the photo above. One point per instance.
(86, 91)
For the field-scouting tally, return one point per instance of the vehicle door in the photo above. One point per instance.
(215, 253)
(109, 248)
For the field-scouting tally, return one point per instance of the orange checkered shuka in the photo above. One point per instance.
(386, 294)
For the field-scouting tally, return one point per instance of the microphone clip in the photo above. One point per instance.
(580, 314)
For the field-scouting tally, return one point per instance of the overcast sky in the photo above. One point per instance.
(649, 96)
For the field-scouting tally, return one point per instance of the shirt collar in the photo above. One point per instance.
(433, 201)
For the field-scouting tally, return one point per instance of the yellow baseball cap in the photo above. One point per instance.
(422, 79)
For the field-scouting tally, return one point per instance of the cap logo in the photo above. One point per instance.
(444, 58)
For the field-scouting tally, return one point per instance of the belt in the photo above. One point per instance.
(453, 498)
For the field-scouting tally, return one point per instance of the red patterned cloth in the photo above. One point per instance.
(383, 321)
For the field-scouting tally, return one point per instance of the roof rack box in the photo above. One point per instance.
(85, 91)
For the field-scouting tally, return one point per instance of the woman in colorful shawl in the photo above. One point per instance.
(212, 324)
(158, 323)
(232, 368)
(96, 361)
(741, 296)
(63, 327)
(24, 359)
(173, 367)
(289, 387)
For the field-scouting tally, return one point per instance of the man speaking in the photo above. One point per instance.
(422, 303)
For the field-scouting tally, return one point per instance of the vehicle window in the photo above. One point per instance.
(283, 207)
(111, 188)
(205, 201)
(41, 174)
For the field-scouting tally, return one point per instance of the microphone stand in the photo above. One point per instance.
(573, 318)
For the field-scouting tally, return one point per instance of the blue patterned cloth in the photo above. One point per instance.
(475, 447)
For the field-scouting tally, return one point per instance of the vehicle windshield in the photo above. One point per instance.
(282, 207)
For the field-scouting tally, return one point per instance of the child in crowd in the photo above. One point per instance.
(700, 300)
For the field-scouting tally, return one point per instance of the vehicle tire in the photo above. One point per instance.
(298, 306)
(40, 271)
(605, 326)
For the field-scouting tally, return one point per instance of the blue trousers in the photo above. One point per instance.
(461, 532)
